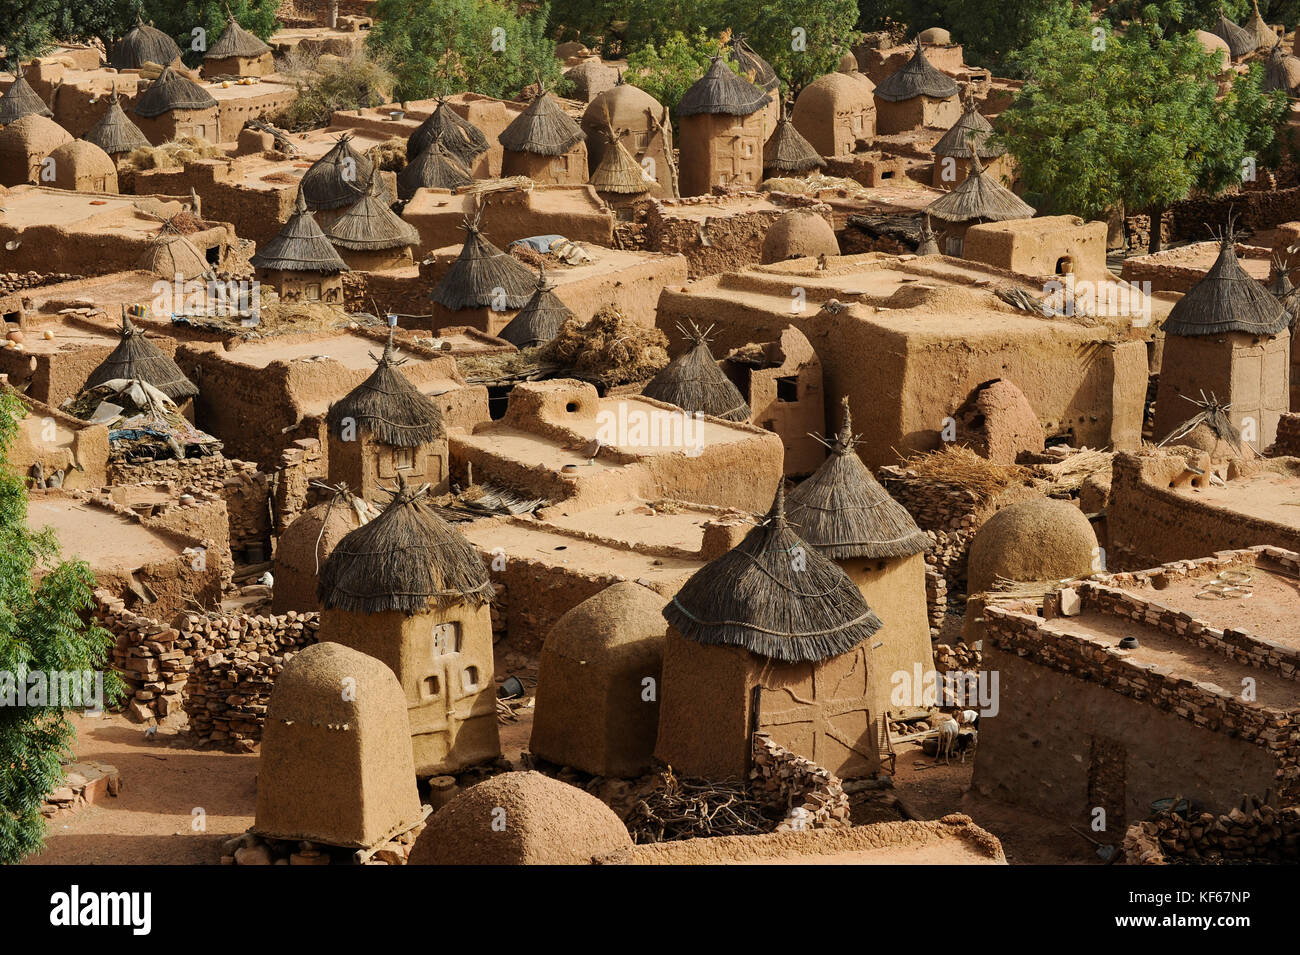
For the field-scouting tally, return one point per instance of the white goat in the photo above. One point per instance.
(948, 730)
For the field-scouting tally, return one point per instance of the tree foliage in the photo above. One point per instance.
(457, 45)
(180, 18)
(666, 71)
(1136, 119)
(42, 628)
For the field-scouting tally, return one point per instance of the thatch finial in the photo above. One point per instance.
(846, 441)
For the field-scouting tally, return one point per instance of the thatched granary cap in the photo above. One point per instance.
(21, 100)
(786, 150)
(300, 246)
(757, 69)
(136, 357)
(972, 127)
(979, 197)
(114, 132)
(1227, 299)
(549, 823)
(1263, 35)
(407, 559)
(171, 91)
(370, 225)
(235, 41)
(776, 596)
(720, 90)
(1032, 541)
(434, 168)
(144, 44)
(844, 512)
(171, 253)
(543, 129)
(618, 171)
(1282, 72)
(540, 319)
(917, 78)
(337, 179)
(479, 271)
(388, 407)
(694, 382)
(1239, 41)
(457, 135)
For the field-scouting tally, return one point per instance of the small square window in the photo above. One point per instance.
(787, 389)
(469, 679)
(431, 686)
(403, 458)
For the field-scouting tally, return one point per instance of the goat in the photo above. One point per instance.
(948, 731)
(969, 718)
(966, 742)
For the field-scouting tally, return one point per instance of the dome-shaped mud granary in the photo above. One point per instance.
(1214, 44)
(935, 36)
(547, 822)
(590, 78)
(21, 100)
(834, 111)
(796, 234)
(307, 543)
(144, 44)
(1031, 541)
(171, 253)
(24, 144)
(84, 167)
(693, 382)
(645, 121)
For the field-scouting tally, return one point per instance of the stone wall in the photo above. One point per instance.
(1253, 832)
(1287, 442)
(813, 797)
(153, 658)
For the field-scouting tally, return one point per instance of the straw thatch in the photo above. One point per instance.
(407, 559)
(171, 253)
(917, 78)
(300, 246)
(971, 129)
(457, 135)
(786, 150)
(1261, 34)
(1227, 299)
(1285, 292)
(618, 170)
(172, 91)
(774, 596)
(720, 90)
(844, 512)
(21, 100)
(540, 319)
(114, 132)
(369, 225)
(337, 179)
(137, 358)
(1215, 417)
(979, 197)
(388, 407)
(1239, 41)
(432, 169)
(479, 271)
(757, 69)
(543, 129)
(1282, 72)
(235, 41)
(610, 349)
(144, 44)
(694, 382)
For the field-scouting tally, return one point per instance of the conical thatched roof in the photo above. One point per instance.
(458, 136)
(388, 407)
(618, 170)
(540, 319)
(370, 225)
(432, 169)
(1227, 299)
(144, 44)
(694, 382)
(407, 559)
(720, 90)
(1239, 41)
(786, 150)
(171, 91)
(1284, 291)
(543, 128)
(114, 132)
(337, 179)
(917, 78)
(1282, 72)
(478, 271)
(750, 63)
(844, 512)
(171, 253)
(971, 127)
(138, 358)
(775, 596)
(21, 100)
(979, 197)
(300, 246)
(1261, 34)
(235, 41)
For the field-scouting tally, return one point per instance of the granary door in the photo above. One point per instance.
(822, 712)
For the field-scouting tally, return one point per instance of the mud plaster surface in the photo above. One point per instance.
(103, 539)
(1269, 497)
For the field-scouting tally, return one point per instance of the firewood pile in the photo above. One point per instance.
(687, 808)
(1252, 832)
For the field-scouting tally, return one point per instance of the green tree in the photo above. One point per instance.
(1134, 120)
(43, 607)
(457, 45)
(180, 18)
(802, 39)
(667, 71)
